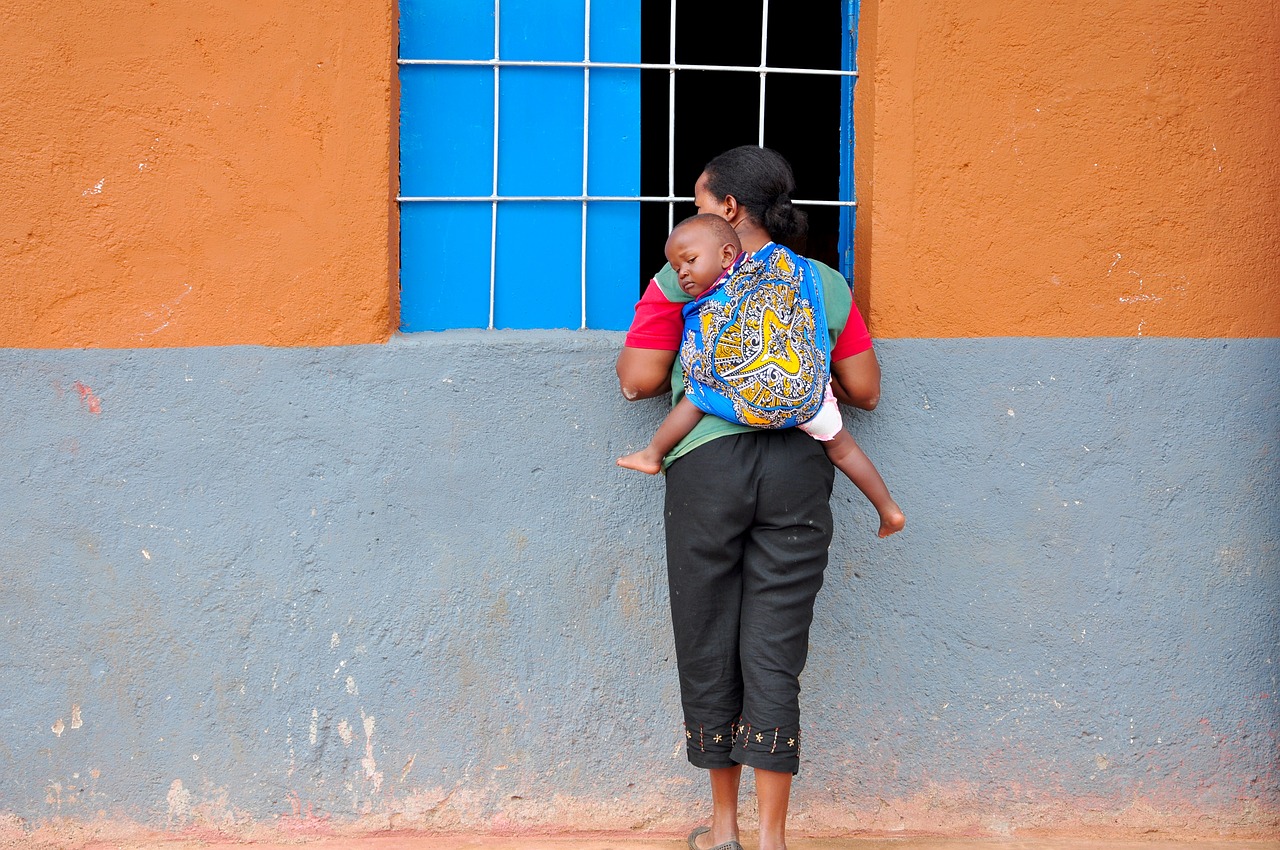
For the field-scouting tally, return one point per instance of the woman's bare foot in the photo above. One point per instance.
(642, 461)
(892, 519)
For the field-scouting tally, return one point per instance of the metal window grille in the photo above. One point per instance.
(497, 63)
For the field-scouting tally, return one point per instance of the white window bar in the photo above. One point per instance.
(574, 199)
(643, 66)
(764, 56)
(586, 135)
(671, 119)
(493, 212)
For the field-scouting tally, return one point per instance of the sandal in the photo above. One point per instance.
(702, 830)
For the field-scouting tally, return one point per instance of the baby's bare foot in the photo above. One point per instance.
(641, 462)
(892, 520)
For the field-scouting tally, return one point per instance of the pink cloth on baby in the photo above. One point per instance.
(828, 422)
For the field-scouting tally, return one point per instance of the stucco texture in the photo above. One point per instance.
(1069, 168)
(261, 567)
(196, 175)
(405, 586)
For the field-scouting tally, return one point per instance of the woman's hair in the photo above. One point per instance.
(761, 181)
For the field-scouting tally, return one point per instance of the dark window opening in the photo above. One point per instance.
(718, 110)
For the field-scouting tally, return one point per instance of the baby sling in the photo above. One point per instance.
(755, 347)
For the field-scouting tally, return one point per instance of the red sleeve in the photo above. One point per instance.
(657, 323)
(854, 339)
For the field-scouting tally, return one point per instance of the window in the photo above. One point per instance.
(531, 195)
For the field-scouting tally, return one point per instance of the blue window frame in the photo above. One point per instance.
(520, 158)
(499, 121)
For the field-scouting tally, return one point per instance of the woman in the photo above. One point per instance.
(748, 521)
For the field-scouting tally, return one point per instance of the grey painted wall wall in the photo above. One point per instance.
(405, 585)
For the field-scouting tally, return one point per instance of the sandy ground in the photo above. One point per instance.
(408, 841)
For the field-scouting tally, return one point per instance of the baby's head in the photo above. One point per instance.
(699, 249)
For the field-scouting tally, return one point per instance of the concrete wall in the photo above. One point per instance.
(262, 568)
(247, 586)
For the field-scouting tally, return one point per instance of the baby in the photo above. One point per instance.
(704, 251)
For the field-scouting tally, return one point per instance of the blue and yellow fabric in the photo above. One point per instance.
(755, 347)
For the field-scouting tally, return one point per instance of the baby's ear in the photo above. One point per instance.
(728, 254)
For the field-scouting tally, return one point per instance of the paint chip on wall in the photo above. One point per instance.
(91, 401)
(179, 800)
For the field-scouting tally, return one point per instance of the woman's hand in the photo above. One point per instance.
(644, 372)
(856, 380)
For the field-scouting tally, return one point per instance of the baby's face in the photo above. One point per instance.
(697, 258)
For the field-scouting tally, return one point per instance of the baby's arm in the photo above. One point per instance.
(674, 428)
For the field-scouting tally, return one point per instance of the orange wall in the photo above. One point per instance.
(1069, 168)
(219, 174)
(196, 174)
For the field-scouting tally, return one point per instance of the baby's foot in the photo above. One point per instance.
(892, 520)
(641, 462)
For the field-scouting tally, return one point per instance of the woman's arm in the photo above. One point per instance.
(855, 372)
(644, 372)
(856, 380)
(649, 352)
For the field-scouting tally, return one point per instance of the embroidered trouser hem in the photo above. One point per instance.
(727, 745)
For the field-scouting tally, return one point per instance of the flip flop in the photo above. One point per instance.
(728, 845)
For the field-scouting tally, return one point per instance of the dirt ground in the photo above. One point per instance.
(475, 842)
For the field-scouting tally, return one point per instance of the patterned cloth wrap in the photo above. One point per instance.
(755, 347)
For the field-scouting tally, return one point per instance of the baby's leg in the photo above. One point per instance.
(677, 424)
(850, 459)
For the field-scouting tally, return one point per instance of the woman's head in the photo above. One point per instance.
(760, 182)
